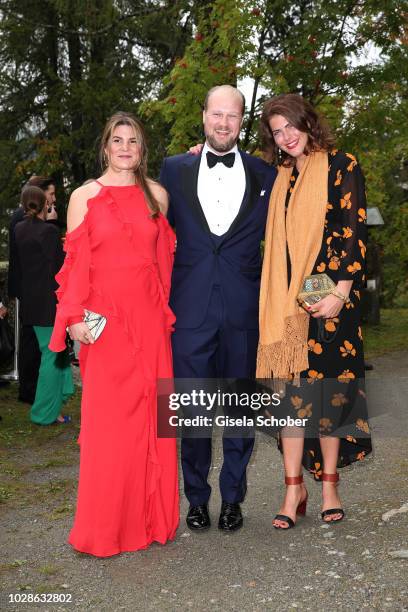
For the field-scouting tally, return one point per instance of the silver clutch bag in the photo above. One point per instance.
(95, 322)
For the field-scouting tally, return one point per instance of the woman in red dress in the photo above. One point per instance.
(119, 257)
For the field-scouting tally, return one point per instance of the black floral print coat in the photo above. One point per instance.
(331, 395)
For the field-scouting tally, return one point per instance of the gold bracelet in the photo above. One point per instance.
(341, 296)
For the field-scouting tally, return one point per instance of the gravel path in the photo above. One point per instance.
(361, 563)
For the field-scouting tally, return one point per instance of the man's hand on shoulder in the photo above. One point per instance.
(196, 149)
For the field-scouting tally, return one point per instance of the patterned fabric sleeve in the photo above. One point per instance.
(353, 218)
(73, 280)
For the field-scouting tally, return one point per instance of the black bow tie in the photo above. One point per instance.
(228, 159)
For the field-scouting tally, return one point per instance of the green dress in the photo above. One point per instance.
(55, 384)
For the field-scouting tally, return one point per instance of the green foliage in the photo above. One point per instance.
(65, 65)
(376, 129)
(212, 58)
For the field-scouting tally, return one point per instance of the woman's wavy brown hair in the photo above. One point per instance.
(122, 118)
(301, 114)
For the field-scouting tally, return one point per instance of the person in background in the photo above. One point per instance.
(40, 255)
(3, 313)
(3, 310)
(48, 186)
(29, 355)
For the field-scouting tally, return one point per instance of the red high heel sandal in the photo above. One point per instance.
(300, 510)
(335, 479)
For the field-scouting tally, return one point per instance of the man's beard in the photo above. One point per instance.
(221, 147)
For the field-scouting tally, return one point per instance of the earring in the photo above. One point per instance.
(105, 159)
(280, 156)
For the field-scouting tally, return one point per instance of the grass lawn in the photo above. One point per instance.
(29, 451)
(390, 335)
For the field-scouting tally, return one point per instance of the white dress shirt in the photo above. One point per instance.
(221, 191)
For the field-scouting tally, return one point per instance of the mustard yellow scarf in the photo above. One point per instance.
(283, 324)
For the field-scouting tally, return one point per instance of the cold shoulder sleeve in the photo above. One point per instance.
(166, 246)
(353, 220)
(73, 281)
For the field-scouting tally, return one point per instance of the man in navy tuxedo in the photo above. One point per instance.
(218, 206)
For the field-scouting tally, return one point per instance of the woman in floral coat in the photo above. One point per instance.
(316, 224)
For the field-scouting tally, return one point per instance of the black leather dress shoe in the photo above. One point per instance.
(230, 517)
(198, 518)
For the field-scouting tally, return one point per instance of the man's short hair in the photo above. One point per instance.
(43, 182)
(214, 89)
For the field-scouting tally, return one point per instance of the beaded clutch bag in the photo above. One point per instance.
(95, 322)
(314, 288)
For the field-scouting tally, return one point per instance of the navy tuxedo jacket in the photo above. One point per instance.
(202, 260)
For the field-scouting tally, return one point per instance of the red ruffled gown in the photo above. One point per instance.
(118, 264)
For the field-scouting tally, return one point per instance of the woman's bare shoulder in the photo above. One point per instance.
(78, 203)
(86, 191)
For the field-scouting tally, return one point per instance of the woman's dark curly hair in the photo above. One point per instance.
(301, 114)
